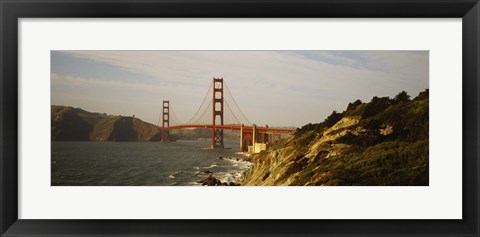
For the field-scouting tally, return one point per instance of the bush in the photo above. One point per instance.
(306, 139)
(306, 128)
(332, 119)
(373, 125)
(422, 95)
(377, 105)
(354, 105)
(401, 97)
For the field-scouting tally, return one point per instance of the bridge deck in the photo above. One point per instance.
(238, 128)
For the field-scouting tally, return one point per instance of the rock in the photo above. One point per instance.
(207, 172)
(210, 181)
(220, 158)
(387, 130)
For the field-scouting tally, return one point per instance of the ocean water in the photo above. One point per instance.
(143, 163)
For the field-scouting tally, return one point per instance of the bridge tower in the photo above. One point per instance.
(166, 121)
(217, 112)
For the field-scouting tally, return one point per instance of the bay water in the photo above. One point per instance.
(93, 163)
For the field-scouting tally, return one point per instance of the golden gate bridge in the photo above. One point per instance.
(220, 118)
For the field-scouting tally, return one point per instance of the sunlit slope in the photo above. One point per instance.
(383, 142)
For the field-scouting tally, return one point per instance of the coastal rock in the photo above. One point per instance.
(387, 130)
(210, 181)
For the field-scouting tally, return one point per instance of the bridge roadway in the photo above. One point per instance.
(237, 127)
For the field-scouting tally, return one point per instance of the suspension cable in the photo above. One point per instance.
(208, 92)
(206, 109)
(236, 104)
(175, 116)
(232, 112)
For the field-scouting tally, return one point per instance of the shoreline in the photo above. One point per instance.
(230, 178)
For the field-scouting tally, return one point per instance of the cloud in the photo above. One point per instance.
(311, 83)
(92, 82)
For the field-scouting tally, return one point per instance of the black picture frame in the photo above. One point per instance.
(12, 10)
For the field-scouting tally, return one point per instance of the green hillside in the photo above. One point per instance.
(383, 142)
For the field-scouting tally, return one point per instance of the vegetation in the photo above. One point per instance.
(382, 142)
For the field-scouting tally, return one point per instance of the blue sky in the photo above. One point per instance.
(279, 88)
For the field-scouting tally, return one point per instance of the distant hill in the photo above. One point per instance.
(74, 124)
(383, 142)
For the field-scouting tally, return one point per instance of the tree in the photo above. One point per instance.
(332, 119)
(354, 105)
(376, 105)
(305, 128)
(401, 97)
(422, 95)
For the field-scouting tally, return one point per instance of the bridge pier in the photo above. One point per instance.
(166, 121)
(217, 111)
(245, 138)
(241, 138)
(254, 137)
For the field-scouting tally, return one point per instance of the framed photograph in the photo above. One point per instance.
(260, 118)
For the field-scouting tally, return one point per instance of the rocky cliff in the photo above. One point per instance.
(383, 142)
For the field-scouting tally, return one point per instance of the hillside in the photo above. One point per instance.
(74, 124)
(383, 142)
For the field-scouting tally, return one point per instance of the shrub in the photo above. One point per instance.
(401, 97)
(376, 105)
(354, 105)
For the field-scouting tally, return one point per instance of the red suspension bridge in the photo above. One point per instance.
(222, 117)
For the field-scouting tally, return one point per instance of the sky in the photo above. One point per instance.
(278, 88)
